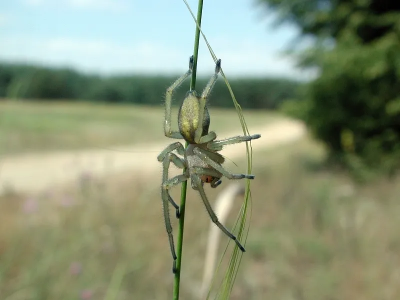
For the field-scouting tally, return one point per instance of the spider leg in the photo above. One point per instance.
(214, 156)
(180, 164)
(167, 158)
(217, 145)
(213, 216)
(176, 206)
(174, 146)
(168, 100)
(198, 137)
(165, 199)
(216, 182)
(218, 167)
(205, 171)
(207, 138)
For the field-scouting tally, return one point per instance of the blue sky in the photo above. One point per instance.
(138, 36)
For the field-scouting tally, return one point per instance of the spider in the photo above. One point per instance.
(200, 160)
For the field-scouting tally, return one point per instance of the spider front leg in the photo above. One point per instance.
(203, 112)
(218, 145)
(168, 102)
(199, 186)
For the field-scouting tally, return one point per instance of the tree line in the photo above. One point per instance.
(34, 82)
(353, 106)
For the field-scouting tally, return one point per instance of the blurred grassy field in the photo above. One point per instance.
(314, 235)
(27, 127)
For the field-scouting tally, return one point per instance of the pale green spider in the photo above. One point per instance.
(201, 158)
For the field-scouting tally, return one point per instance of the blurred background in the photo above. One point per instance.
(82, 85)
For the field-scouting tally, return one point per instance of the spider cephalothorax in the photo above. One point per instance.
(201, 160)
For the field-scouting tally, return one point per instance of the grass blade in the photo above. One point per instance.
(181, 226)
(240, 225)
(116, 280)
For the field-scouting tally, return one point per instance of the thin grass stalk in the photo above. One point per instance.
(231, 273)
(181, 226)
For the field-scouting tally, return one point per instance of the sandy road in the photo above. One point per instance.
(35, 172)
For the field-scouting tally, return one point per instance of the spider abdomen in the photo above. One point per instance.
(188, 118)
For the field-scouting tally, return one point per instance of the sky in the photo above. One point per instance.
(152, 37)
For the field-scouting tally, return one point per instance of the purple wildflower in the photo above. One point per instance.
(30, 206)
(75, 268)
(86, 294)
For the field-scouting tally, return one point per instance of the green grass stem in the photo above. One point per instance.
(181, 226)
(240, 226)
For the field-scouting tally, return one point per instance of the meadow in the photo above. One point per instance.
(32, 126)
(315, 234)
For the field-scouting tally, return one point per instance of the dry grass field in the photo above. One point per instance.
(27, 127)
(315, 234)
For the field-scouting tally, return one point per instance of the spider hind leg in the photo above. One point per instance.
(165, 199)
(213, 216)
(167, 157)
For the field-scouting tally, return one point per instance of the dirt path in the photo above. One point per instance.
(36, 172)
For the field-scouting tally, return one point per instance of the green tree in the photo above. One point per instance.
(354, 103)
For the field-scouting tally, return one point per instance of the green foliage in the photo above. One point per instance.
(295, 108)
(354, 104)
(357, 116)
(35, 82)
(30, 82)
